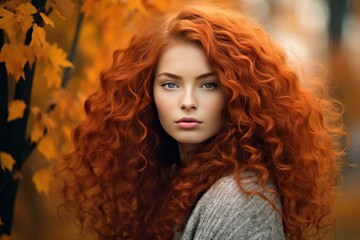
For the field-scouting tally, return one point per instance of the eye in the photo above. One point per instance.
(169, 85)
(209, 85)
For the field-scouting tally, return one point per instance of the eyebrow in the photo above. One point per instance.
(171, 75)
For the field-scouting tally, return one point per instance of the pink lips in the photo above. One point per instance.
(188, 123)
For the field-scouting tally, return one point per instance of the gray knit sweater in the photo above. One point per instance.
(224, 212)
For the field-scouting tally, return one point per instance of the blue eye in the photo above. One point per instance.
(210, 85)
(169, 85)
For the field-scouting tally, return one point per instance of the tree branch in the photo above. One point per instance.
(31, 146)
(73, 50)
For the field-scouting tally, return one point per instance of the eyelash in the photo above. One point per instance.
(213, 85)
(166, 85)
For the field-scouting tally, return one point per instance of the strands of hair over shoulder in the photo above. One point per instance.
(124, 179)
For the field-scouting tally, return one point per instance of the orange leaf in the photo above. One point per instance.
(37, 132)
(8, 21)
(24, 17)
(46, 19)
(16, 110)
(26, 8)
(38, 41)
(7, 161)
(47, 148)
(58, 58)
(29, 54)
(52, 76)
(42, 180)
(42, 121)
(13, 55)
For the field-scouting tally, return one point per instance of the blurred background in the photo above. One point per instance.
(319, 35)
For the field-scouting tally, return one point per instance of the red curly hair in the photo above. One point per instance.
(124, 180)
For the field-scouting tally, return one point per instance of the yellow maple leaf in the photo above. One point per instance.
(42, 180)
(53, 77)
(14, 57)
(37, 132)
(46, 19)
(7, 161)
(8, 21)
(38, 41)
(29, 54)
(24, 16)
(26, 8)
(47, 148)
(16, 110)
(57, 57)
(38, 128)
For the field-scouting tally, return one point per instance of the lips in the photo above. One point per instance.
(188, 123)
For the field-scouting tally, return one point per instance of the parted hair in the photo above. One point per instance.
(124, 178)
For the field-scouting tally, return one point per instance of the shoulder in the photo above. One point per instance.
(226, 212)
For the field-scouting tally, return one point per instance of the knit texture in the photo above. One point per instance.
(224, 212)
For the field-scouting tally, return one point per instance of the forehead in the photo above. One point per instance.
(183, 58)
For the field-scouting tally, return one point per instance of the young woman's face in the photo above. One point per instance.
(187, 94)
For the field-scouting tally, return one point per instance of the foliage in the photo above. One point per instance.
(102, 26)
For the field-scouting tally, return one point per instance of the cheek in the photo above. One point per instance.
(162, 103)
(216, 106)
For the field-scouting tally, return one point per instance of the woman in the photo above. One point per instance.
(201, 130)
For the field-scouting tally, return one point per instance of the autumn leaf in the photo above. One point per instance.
(42, 180)
(38, 41)
(52, 76)
(26, 8)
(8, 21)
(57, 57)
(47, 20)
(37, 132)
(38, 128)
(7, 161)
(24, 16)
(13, 55)
(47, 148)
(29, 54)
(16, 110)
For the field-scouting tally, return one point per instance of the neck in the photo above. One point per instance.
(186, 150)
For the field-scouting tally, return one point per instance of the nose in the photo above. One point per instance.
(188, 100)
